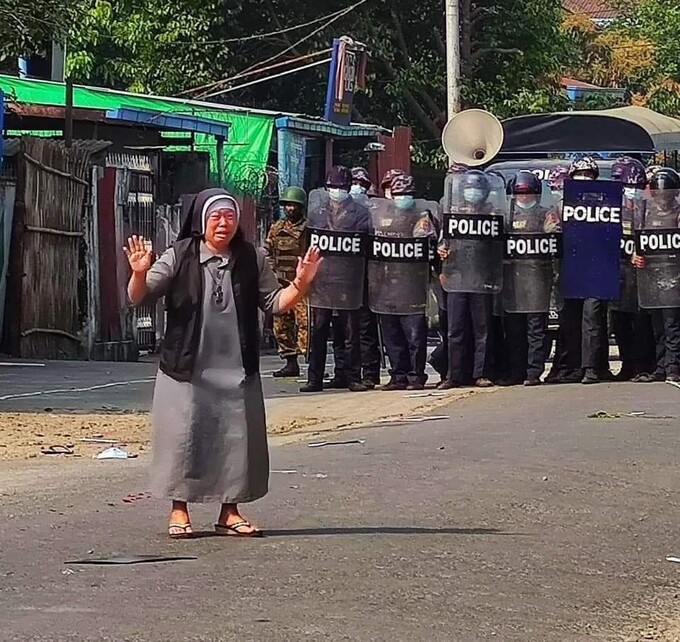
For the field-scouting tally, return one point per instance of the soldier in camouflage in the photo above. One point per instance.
(284, 245)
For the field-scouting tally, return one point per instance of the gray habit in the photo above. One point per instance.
(209, 434)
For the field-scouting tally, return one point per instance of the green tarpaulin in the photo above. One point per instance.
(246, 151)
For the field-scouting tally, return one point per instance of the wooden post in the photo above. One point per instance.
(68, 114)
(220, 161)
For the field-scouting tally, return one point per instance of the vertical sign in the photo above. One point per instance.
(344, 78)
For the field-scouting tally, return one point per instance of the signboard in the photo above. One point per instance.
(346, 76)
(592, 228)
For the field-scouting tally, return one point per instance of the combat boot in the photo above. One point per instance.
(291, 369)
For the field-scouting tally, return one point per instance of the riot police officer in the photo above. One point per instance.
(284, 245)
(584, 335)
(528, 278)
(659, 272)
(398, 274)
(387, 180)
(336, 223)
(466, 281)
(632, 327)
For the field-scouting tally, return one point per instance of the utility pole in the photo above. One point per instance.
(452, 57)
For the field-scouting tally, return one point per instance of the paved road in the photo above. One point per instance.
(518, 518)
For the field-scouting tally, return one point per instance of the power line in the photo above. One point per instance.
(343, 13)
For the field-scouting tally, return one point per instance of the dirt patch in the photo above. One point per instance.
(25, 435)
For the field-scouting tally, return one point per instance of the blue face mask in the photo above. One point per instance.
(473, 195)
(357, 190)
(337, 194)
(404, 201)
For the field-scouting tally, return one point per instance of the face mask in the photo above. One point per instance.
(357, 190)
(473, 195)
(630, 193)
(337, 194)
(581, 177)
(388, 194)
(525, 205)
(404, 202)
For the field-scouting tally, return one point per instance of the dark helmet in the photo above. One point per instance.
(360, 176)
(557, 176)
(294, 195)
(664, 179)
(585, 165)
(402, 184)
(475, 178)
(389, 175)
(524, 182)
(339, 176)
(629, 171)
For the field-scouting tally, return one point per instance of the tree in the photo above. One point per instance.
(27, 28)
(511, 54)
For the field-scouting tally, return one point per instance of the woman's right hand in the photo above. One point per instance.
(139, 254)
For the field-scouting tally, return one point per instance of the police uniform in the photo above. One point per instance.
(284, 245)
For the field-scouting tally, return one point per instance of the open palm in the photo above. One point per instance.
(139, 254)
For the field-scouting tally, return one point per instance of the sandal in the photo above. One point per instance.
(185, 534)
(234, 530)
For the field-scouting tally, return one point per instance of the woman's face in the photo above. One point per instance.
(221, 226)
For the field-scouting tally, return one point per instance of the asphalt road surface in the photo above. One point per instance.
(517, 518)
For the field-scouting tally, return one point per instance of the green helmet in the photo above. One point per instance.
(294, 195)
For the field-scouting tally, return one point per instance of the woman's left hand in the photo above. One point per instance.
(307, 267)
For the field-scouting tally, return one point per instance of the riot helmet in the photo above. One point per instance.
(651, 170)
(631, 173)
(387, 180)
(475, 187)
(361, 181)
(584, 169)
(403, 189)
(525, 188)
(338, 183)
(556, 178)
(664, 186)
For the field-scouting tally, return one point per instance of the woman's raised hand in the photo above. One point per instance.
(139, 254)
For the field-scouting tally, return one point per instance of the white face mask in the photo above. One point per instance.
(473, 195)
(526, 205)
(388, 194)
(337, 194)
(581, 177)
(404, 201)
(357, 190)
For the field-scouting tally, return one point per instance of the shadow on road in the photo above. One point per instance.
(382, 530)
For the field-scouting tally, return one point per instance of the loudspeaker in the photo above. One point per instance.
(473, 137)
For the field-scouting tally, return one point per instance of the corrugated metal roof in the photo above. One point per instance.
(594, 9)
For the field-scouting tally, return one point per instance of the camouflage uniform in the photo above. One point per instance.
(285, 243)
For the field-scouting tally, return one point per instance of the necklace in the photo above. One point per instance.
(216, 277)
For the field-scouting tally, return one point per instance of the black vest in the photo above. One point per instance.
(184, 303)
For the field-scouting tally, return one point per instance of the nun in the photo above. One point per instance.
(209, 431)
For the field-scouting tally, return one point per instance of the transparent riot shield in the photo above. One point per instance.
(339, 230)
(657, 240)
(633, 211)
(533, 245)
(473, 237)
(398, 258)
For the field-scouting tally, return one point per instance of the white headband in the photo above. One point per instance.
(215, 203)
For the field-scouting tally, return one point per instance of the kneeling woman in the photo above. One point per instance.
(209, 433)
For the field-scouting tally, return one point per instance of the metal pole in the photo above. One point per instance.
(220, 161)
(452, 57)
(68, 114)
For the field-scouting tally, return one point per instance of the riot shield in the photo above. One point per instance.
(633, 210)
(533, 243)
(339, 230)
(473, 237)
(398, 258)
(591, 224)
(657, 239)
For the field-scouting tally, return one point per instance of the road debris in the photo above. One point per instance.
(417, 395)
(133, 559)
(57, 449)
(98, 440)
(673, 558)
(285, 472)
(321, 444)
(115, 453)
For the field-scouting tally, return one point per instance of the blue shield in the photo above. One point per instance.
(591, 216)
